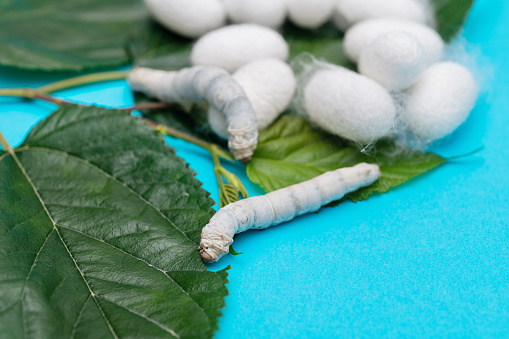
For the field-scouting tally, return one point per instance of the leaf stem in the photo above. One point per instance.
(213, 149)
(30, 93)
(82, 80)
(456, 157)
(5, 145)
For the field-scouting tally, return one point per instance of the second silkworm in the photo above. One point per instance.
(211, 85)
(280, 206)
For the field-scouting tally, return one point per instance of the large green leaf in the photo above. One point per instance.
(70, 35)
(291, 151)
(99, 226)
(450, 16)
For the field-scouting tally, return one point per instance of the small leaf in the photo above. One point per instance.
(98, 234)
(228, 194)
(291, 151)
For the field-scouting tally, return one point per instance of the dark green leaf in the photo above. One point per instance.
(325, 43)
(154, 46)
(98, 234)
(71, 35)
(450, 16)
(291, 151)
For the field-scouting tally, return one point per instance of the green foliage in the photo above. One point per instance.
(450, 16)
(74, 35)
(291, 151)
(71, 35)
(98, 234)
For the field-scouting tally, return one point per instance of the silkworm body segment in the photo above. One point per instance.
(279, 206)
(269, 85)
(205, 84)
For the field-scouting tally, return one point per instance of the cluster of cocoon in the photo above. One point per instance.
(440, 101)
(395, 60)
(349, 105)
(364, 33)
(233, 46)
(190, 18)
(351, 12)
(269, 85)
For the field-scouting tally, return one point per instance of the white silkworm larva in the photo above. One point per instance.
(269, 85)
(205, 84)
(279, 206)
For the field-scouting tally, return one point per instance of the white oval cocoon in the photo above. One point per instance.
(440, 101)
(395, 60)
(270, 13)
(350, 12)
(364, 33)
(233, 46)
(269, 85)
(348, 104)
(310, 13)
(190, 18)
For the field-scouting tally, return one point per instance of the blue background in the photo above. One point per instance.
(430, 258)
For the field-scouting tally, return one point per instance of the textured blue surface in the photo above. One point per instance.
(430, 258)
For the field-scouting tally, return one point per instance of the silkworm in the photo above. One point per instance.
(233, 46)
(279, 206)
(349, 105)
(269, 13)
(364, 33)
(440, 101)
(395, 60)
(190, 18)
(210, 85)
(350, 12)
(310, 13)
(269, 85)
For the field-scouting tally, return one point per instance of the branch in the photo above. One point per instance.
(82, 80)
(5, 145)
